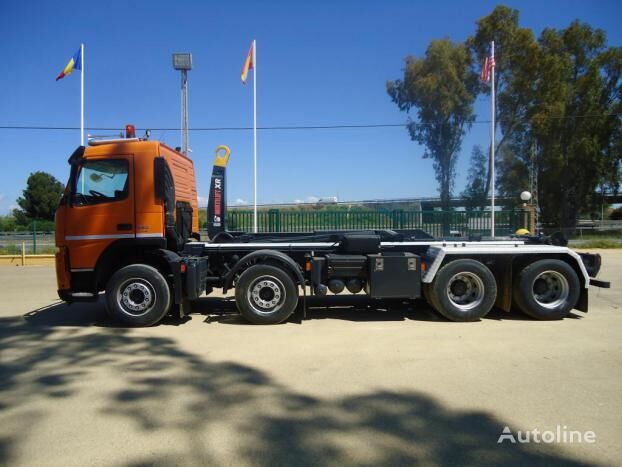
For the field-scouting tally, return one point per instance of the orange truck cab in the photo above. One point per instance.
(126, 199)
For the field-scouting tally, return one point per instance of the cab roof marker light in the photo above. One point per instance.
(130, 131)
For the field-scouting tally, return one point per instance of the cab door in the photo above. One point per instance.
(101, 208)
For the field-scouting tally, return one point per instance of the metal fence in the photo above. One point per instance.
(436, 223)
(11, 243)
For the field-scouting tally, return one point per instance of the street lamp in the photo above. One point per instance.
(529, 213)
(183, 63)
(525, 196)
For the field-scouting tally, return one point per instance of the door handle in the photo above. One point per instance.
(124, 226)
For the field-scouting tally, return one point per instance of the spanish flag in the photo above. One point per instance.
(248, 63)
(74, 64)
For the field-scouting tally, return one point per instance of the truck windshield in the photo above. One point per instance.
(101, 181)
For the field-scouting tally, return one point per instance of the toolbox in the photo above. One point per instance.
(394, 275)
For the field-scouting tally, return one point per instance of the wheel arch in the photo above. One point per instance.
(273, 257)
(124, 253)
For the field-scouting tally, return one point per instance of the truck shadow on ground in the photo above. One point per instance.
(217, 412)
(347, 307)
(75, 315)
(357, 308)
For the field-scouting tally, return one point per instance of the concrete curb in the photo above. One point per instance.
(26, 260)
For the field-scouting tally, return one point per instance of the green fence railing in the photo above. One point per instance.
(436, 223)
(31, 243)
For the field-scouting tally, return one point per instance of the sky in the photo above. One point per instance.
(318, 63)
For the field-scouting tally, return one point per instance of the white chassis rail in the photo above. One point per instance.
(438, 250)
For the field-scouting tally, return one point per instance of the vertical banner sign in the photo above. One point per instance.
(216, 208)
(217, 205)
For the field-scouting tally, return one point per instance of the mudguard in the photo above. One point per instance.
(282, 258)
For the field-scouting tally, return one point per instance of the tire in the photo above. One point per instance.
(463, 290)
(138, 295)
(425, 288)
(547, 290)
(266, 294)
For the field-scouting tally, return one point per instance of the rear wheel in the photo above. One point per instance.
(463, 290)
(138, 295)
(266, 294)
(427, 295)
(547, 289)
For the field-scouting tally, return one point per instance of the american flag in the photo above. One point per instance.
(489, 64)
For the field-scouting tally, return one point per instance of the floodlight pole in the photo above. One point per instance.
(183, 63)
(184, 111)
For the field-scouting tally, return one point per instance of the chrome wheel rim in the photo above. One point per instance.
(550, 289)
(136, 297)
(465, 290)
(266, 295)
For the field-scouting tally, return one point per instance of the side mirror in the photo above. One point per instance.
(159, 166)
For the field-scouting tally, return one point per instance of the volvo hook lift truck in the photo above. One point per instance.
(128, 224)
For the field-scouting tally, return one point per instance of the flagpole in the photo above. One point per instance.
(492, 143)
(254, 136)
(82, 96)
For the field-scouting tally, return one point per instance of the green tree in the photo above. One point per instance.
(476, 192)
(560, 94)
(7, 223)
(441, 87)
(39, 199)
(513, 169)
(576, 122)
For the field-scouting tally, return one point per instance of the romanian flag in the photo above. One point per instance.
(249, 63)
(74, 64)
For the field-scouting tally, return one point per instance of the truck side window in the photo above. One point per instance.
(101, 181)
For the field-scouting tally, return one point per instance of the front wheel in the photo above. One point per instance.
(266, 294)
(138, 295)
(463, 290)
(547, 289)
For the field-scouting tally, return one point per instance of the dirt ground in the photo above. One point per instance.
(357, 382)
